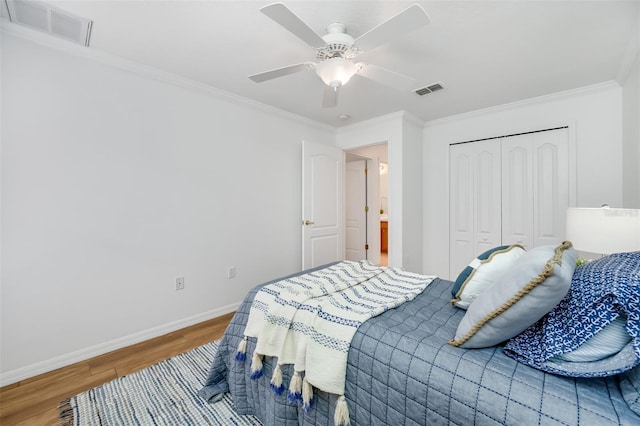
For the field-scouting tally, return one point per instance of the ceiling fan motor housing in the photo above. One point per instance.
(339, 43)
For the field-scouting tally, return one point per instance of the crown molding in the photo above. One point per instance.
(412, 119)
(10, 29)
(391, 117)
(593, 88)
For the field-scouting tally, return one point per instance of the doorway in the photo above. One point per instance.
(377, 224)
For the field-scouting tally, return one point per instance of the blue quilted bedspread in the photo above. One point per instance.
(402, 371)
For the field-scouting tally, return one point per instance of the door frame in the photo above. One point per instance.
(373, 197)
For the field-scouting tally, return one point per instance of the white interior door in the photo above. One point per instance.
(322, 204)
(355, 210)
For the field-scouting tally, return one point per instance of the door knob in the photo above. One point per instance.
(308, 222)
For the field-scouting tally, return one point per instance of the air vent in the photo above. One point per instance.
(52, 20)
(429, 89)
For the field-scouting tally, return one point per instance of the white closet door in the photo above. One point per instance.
(487, 192)
(517, 190)
(461, 246)
(475, 194)
(535, 188)
(550, 185)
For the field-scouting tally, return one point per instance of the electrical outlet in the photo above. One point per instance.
(180, 283)
(231, 272)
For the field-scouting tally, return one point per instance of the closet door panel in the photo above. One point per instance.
(487, 193)
(550, 186)
(461, 209)
(517, 191)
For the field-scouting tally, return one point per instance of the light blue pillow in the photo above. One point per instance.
(533, 286)
(607, 342)
(482, 273)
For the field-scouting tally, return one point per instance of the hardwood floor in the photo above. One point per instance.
(35, 401)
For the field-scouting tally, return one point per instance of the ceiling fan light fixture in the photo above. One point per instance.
(336, 72)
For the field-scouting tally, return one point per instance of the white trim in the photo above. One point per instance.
(84, 354)
(375, 121)
(145, 71)
(403, 115)
(526, 102)
(411, 119)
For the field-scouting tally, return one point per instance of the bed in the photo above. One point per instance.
(402, 369)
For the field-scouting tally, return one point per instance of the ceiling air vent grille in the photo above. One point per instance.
(51, 20)
(429, 89)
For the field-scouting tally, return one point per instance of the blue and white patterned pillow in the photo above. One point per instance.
(601, 291)
(482, 273)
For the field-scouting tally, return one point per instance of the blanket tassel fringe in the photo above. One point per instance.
(295, 388)
(341, 415)
(66, 413)
(256, 366)
(307, 396)
(241, 354)
(276, 381)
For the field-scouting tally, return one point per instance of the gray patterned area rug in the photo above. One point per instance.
(163, 394)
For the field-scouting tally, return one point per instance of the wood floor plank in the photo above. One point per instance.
(35, 401)
(48, 417)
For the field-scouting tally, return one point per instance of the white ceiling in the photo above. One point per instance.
(484, 53)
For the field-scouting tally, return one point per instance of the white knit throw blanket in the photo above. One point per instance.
(309, 321)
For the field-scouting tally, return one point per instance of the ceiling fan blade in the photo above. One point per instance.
(280, 72)
(330, 98)
(285, 17)
(404, 22)
(387, 77)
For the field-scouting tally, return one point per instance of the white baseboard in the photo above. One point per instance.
(41, 367)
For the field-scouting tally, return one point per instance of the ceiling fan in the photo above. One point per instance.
(337, 49)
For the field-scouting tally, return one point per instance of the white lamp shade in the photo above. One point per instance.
(336, 71)
(603, 230)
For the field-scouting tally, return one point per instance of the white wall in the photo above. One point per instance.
(594, 115)
(631, 136)
(114, 183)
(402, 133)
(412, 214)
(386, 129)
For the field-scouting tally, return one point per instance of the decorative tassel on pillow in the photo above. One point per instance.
(241, 354)
(295, 388)
(256, 366)
(341, 415)
(276, 381)
(307, 395)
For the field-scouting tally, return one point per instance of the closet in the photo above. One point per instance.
(506, 190)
